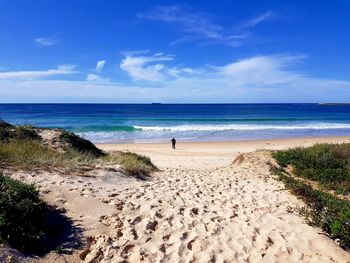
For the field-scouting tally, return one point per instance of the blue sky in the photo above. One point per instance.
(174, 51)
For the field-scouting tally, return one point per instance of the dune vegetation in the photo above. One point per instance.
(327, 164)
(135, 164)
(22, 147)
(320, 175)
(24, 217)
(21, 214)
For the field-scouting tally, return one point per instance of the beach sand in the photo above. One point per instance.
(200, 207)
(204, 155)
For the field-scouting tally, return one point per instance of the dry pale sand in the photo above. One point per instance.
(199, 208)
(204, 155)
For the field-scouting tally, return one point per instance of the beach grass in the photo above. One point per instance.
(135, 164)
(31, 154)
(325, 190)
(326, 164)
(22, 149)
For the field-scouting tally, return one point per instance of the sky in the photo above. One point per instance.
(238, 51)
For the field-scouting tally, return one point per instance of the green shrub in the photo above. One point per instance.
(79, 144)
(324, 210)
(328, 164)
(20, 214)
(17, 133)
(24, 133)
(285, 158)
(4, 134)
(4, 124)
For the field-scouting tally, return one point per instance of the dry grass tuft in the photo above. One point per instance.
(239, 159)
(134, 164)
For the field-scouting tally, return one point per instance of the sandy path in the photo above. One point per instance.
(199, 208)
(195, 214)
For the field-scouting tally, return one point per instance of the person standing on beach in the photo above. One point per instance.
(173, 142)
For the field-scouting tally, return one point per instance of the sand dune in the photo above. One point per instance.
(201, 207)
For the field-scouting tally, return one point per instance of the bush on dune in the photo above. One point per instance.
(22, 148)
(79, 144)
(30, 225)
(9, 132)
(20, 214)
(324, 210)
(329, 166)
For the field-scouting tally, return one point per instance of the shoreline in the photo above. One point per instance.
(291, 140)
(215, 154)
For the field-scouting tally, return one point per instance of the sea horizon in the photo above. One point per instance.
(159, 122)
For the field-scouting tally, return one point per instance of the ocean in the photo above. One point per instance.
(113, 123)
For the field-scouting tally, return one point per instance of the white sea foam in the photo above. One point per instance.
(246, 127)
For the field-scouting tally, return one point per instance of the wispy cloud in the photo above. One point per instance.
(92, 77)
(34, 74)
(96, 78)
(257, 69)
(257, 20)
(198, 25)
(269, 78)
(46, 41)
(100, 64)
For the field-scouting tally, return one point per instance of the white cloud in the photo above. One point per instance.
(272, 78)
(34, 74)
(96, 78)
(253, 79)
(100, 64)
(145, 67)
(260, 70)
(149, 68)
(92, 77)
(46, 41)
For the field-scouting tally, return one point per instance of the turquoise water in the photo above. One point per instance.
(187, 122)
